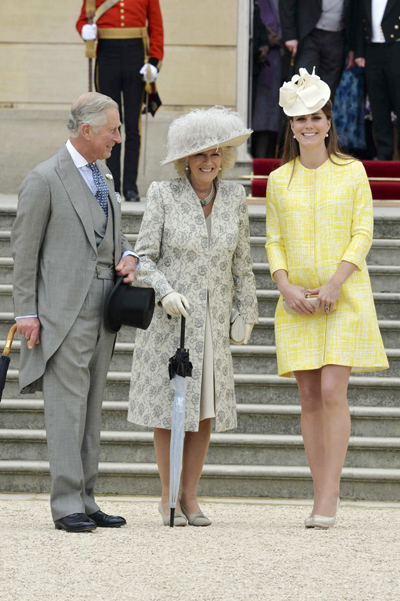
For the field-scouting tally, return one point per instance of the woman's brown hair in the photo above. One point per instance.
(291, 147)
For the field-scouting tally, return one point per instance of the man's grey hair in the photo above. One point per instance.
(90, 108)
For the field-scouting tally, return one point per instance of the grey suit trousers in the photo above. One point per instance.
(73, 387)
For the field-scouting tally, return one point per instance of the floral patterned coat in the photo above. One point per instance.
(175, 255)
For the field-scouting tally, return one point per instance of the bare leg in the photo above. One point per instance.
(194, 454)
(334, 384)
(162, 439)
(312, 427)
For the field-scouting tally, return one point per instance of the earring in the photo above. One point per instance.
(294, 136)
(187, 168)
(220, 168)
(327, 135)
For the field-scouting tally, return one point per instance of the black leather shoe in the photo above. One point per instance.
(76, 522)
(131, 196)
(102, 520)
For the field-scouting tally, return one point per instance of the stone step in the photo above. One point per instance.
(224, 449)
(387, 303)
(249, 359)
(292, 482)
(252, 388)
(386, 226)
(384, 278)
(5, 250)
(252, 419)
(383, 252)
(263, 333)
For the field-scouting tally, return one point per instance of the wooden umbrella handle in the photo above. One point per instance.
(10, 338)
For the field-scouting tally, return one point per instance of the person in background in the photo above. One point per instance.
(319, 231)
(267, 46)
(317, 33)
(378, 50)
(194, 248)
(126, 49)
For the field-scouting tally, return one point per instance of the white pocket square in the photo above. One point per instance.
(109, 176)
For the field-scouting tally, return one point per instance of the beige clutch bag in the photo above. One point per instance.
(237, 330)
(312, 299)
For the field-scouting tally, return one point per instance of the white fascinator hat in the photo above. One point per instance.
(202, 130)
(305, 94)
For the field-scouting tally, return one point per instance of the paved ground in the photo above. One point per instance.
(253, 551)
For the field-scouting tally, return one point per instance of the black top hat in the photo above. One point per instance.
(129, 306)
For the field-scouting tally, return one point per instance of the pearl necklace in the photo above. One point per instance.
(205, 201)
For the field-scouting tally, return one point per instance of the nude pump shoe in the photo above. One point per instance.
(179, 518)
(320, 521)
(196, 519)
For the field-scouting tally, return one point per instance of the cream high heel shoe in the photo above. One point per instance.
(196, 519)
(320, 521)
(179, 518)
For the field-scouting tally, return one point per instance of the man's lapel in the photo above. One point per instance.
(390, 4)
(73, 182)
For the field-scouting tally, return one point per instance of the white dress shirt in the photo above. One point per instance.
(80, 163)
(378, 8)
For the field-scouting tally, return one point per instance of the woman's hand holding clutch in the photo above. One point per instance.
(327, 296)
(175, 304)
(295, 299)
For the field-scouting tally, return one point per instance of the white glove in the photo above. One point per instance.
(153, 72)
(89, 32)
(248, 328)
(175, 304)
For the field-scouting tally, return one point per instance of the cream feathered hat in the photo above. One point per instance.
(304, 94)
(202, 130)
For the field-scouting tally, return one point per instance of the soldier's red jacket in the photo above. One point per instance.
(133, 13)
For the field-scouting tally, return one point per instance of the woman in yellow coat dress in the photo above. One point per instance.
(319, 231)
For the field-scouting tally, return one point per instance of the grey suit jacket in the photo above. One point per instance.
(54, 249)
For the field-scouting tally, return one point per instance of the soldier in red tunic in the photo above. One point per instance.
(126, 48)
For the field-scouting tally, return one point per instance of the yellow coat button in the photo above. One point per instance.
(122, 16)
(391, 35)
(396, 26)
(122, 24)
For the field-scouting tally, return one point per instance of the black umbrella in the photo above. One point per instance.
(179, 368)
(5, 359)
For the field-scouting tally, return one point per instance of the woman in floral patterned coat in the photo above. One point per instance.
(194, 248)
(319, 231)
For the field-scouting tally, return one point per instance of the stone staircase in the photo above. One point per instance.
(265, 455)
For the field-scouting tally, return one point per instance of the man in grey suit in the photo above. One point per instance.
(67, 247)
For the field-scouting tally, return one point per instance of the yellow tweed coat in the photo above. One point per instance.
(323, 217)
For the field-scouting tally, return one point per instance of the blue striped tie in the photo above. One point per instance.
(102, 190)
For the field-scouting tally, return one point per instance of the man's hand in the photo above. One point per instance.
(292, 46)
(89, 32)
(153, 72)
(127, 267)
(360, 62)
(350, 60)
(30, 328)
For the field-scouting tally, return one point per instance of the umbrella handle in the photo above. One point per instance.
(183, 323)
(10, 338)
